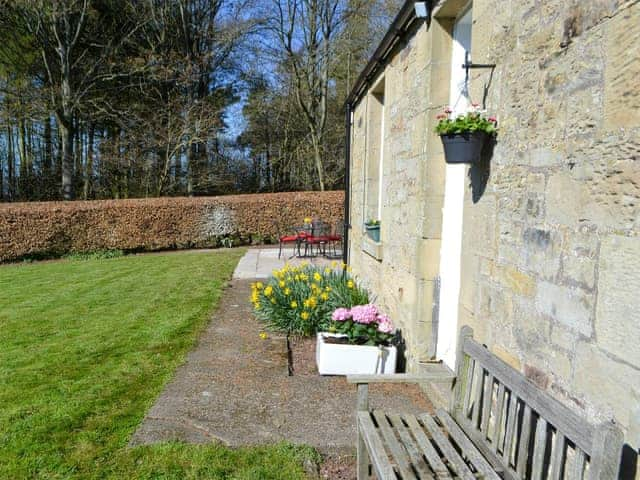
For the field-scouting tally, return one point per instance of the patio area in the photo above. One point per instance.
(259, 263)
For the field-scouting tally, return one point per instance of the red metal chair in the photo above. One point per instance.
(294, 236)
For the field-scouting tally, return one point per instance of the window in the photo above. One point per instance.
(375, 153)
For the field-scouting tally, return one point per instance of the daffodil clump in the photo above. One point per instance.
(300, 300)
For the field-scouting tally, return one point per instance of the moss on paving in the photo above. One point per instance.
(87, 346)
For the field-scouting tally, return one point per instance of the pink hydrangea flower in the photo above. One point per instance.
(341, 315)
(364, 314)
(384, 324)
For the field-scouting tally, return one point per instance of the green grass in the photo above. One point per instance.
(86, 347)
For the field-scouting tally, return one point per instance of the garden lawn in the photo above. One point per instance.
(86, 347)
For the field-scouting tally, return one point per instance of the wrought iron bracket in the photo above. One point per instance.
(468, 64)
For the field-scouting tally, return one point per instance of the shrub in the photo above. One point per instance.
(97, 255)
(51, 229)
(300, 300)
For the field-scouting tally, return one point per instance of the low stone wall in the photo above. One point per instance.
(55, 228)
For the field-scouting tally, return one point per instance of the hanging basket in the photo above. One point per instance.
(463, 147)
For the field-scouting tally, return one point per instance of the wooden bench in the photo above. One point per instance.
(499, 425)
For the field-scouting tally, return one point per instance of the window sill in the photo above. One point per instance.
(371, 248)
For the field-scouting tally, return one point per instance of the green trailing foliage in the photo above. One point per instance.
(471, 122)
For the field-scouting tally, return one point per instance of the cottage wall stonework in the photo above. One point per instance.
(551, 230)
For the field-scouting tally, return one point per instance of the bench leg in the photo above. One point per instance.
(361, 448)
(363, 458)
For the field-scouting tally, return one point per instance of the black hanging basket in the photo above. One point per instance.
(463, 147)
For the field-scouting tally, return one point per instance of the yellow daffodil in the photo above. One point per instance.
(259, 285)
(287, 291)
(327, 288)
(350, 284)
(281, 283)
(324, 296)
(317, 277)
(297, 278)
(268, 291)
(273, 300)
(263, 335)
(334, 264)
(304, 315)
(294, 304)
(327, 270)
(304, 277)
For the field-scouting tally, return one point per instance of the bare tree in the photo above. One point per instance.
(306, 31)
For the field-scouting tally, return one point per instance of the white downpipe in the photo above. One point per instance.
(380, 178)
(452, 212)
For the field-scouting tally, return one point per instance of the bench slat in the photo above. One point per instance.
(398, 452)
(497, 431)
(374, 443)
(468, 449)
(561, 417)
(457, 463)
(558, 457)
(539, 449)
(475, 414)
(412, 449)
(511, 426)
(483, 447)
(469, 385)
(487, 400)
(577, 468)
(523, 450)
(433, 458)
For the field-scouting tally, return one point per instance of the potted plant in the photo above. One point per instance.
(463, 136)
(357, 341)
(373, 230)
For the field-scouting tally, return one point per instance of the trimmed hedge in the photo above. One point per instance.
(47, 229)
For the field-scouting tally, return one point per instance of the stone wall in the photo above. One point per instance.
(551, 253)
(398, 278)
(551, 246)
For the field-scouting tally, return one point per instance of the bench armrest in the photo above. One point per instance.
(440, 374)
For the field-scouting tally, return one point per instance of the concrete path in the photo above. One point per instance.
(235, 388)
(258, 263)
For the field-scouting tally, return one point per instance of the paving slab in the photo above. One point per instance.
(234, 388)
(258, 263)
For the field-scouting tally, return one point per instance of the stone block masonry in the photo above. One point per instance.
(551, 231)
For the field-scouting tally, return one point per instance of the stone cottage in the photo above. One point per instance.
(536, 247)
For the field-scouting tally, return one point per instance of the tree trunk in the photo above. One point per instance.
(47, 164)
(67, 134)
(88, 172)
(317, 157)
(11, 164)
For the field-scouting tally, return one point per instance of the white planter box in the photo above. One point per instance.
(342, 359)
